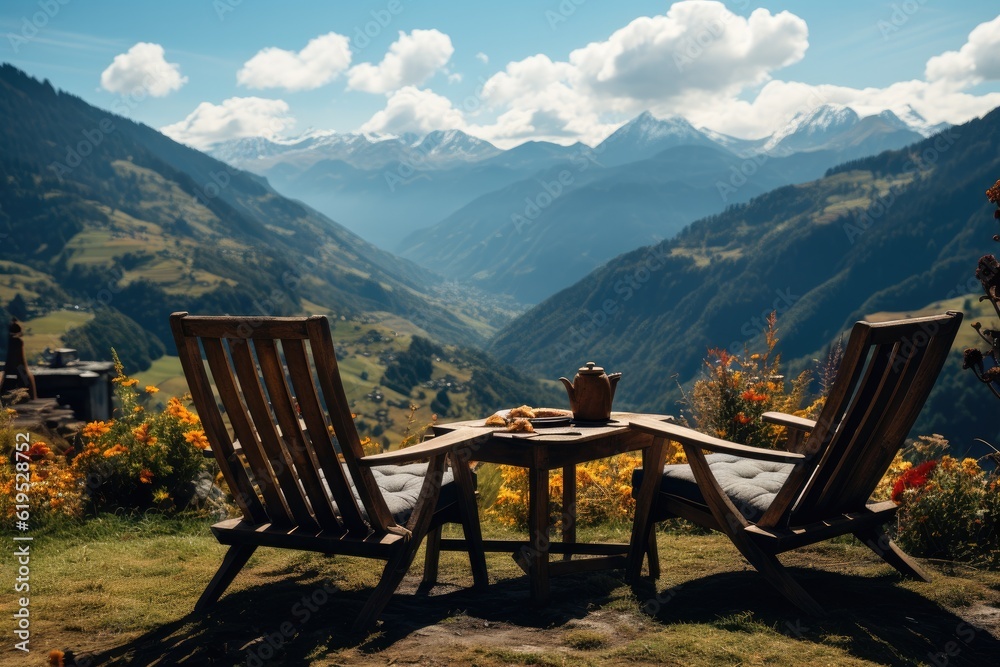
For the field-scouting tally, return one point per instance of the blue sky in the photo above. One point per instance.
(560, 70)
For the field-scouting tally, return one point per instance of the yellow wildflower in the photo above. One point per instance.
(970, 466)
(152, 389)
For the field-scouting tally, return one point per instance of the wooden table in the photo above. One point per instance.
(541, 452)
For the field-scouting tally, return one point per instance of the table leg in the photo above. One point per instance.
(538, 530)
(569, 507)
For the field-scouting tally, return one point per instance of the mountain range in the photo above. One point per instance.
(882, 236)
(531, 220)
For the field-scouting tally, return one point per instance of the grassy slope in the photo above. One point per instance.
(125, 590)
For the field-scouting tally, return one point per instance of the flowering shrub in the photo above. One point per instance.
(949, 509)
(729, 401)
(138, 459)
(54, 487)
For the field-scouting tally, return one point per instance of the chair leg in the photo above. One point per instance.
(469, 513)
(433, 542)
(643, 541)
(652, 554)
(235, 559)
(771, 569)
(393, 573)
(876, 539)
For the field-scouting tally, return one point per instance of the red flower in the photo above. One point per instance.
(913, 478)
(39, 450)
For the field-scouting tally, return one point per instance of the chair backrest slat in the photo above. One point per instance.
(304, 387)
(230, 464)
(229, 393)
(886, 375)
(267, 432)
(291, 436)
(328, 374)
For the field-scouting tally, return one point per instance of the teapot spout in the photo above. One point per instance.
(571, 392)
(613, 379)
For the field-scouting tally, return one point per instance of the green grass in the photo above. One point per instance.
(123, 590)
(47, 331)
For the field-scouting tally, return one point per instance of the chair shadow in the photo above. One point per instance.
(291, 620)
(872, 618)
(287, 621)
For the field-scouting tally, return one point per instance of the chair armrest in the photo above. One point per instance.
(689, 436)
(789, 421)
(463, 438)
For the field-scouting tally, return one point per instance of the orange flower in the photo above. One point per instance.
(115, 450)
(751, 395)
(141, 434)
(146, 476)
(741, 418)
(197, 439)
(177, 410)
(95, 430)
(152, 389)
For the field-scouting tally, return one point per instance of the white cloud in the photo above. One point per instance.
(698, 60)
(978, 60)
(410, 109)
(142, 69)
(411, 60)
(696, 48)
(454, 77)
(236, 117)
(319, 63)
(483, 58)
(697, 53)
(941, 97)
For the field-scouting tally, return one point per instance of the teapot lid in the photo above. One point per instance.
(591, 369)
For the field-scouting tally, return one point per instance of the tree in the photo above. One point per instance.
(18, 307)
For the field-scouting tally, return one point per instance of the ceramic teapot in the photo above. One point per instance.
(591, 393)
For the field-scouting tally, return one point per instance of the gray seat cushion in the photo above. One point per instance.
(400, 485)
(750, 484)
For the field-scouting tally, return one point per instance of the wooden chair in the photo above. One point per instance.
(288, 449)
(770, 501)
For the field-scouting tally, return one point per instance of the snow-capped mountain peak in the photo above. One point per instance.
(810, 127)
